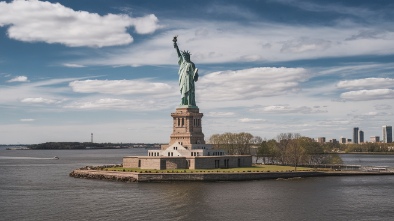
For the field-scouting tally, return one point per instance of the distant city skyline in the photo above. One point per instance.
(359, 136)
(72, 68)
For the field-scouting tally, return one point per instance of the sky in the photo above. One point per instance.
(314, 67)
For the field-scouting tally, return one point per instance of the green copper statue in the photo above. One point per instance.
(188, 74)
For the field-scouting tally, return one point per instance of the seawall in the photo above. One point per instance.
(210, 177)
(105, 175)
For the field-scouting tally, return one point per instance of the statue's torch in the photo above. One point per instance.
(175, 39)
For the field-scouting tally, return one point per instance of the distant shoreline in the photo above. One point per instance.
(80, 146)
(99, 148)
(374, 153)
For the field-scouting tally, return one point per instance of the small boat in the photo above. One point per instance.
(55, 157)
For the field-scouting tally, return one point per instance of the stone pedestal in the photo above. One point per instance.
(187, 127)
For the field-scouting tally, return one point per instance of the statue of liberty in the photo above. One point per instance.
(188, 74)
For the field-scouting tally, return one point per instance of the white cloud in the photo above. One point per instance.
(118, 104)
(19, 79)
(104, 103)
(41, 21)
(46, 91)
(369, 34)
(119, 87)
(358, 69)
(365, 83)
(383, 107)
(374, 113)
(328, 7)
(364, 95)
(27, 120)
(287, 109)
(146, 25)
(251, 120)
(229, 42)
(251, 83)
(49, 94)
(305, 44)
(38, 100)
(334, 122)
(220, 114)
(73, 65)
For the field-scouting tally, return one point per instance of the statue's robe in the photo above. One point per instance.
(187, 76)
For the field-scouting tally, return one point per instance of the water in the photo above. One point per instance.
(368, 159)
(35, 187)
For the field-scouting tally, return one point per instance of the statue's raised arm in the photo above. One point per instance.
(188, 74)
(176, 45)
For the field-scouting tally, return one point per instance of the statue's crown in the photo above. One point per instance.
(186, 53)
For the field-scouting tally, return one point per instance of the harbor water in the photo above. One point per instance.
(35, 186)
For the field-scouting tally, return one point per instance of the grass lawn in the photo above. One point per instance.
(255, 168)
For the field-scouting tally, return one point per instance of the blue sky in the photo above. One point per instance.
(71, 68)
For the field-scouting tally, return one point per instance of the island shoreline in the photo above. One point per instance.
(211, 176)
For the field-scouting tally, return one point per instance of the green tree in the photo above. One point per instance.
(313, 150)
(285, 141)
(263, 151)
(296, 151)
(233, 143)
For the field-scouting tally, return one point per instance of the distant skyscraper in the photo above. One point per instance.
(374, 139)
(360, 136)
(387, 134)
(342, 140)
(355, 135)
(321, 140)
